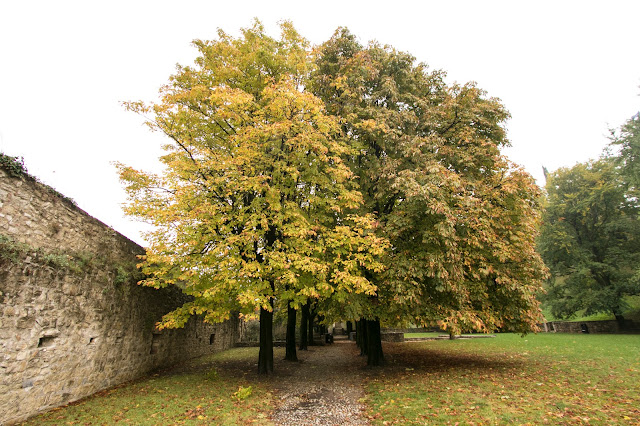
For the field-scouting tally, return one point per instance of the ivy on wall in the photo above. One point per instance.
(77, 263)
(15, 167)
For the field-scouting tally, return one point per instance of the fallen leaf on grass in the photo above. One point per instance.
(194, 413)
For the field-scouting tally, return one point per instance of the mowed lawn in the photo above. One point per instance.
(536, 379)
(219, 389)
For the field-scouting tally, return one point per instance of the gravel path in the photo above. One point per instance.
(323, 388)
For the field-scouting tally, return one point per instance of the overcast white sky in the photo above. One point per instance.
(566, 70)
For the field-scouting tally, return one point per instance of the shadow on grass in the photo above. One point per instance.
(220, 374)
(399, 358)
(241, 363)
(403, 357)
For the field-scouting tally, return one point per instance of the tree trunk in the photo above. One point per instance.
(374, 344)
(321, 327)
(364, 340)
(265, 356)
(619, 319)
(310, 328)
(304, 324)
(349, 328)
(290, 344)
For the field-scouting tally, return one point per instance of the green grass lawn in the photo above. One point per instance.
(201, 393)
(538, 379)
(421, 335)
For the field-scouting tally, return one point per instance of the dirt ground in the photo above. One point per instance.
(322, 388)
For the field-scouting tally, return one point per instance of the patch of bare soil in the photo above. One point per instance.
(323, 388)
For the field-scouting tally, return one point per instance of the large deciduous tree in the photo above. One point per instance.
(590, 239)
(352, 180)
(254, 203)
(460, 218)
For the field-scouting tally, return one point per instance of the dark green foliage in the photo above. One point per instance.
(628, 139)
(76, 263)
(590, 240)
(459, 218)
(127, 273)
(14, 251)
(10, 250)
(62, 261)
(13, 165)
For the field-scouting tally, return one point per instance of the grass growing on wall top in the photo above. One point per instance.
(15, 167)
(77, 263)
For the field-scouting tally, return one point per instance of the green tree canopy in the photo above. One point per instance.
(460, 218)
(628, 140)
(348, 175)
(590, 239)
(255, 202)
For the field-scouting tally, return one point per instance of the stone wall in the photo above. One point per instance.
(73, 321)
(432, 329)
(392, 336)
(36, 215)
(596, 327)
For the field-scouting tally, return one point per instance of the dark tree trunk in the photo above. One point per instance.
(364, 340)
(374, 344)
(349, 328)
(312, 315)
(322, 329)
(304, 325)
(265, 356)
(619, 318)
(290, 344)
(358, 335)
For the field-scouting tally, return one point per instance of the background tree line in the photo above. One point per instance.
(590, 238)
